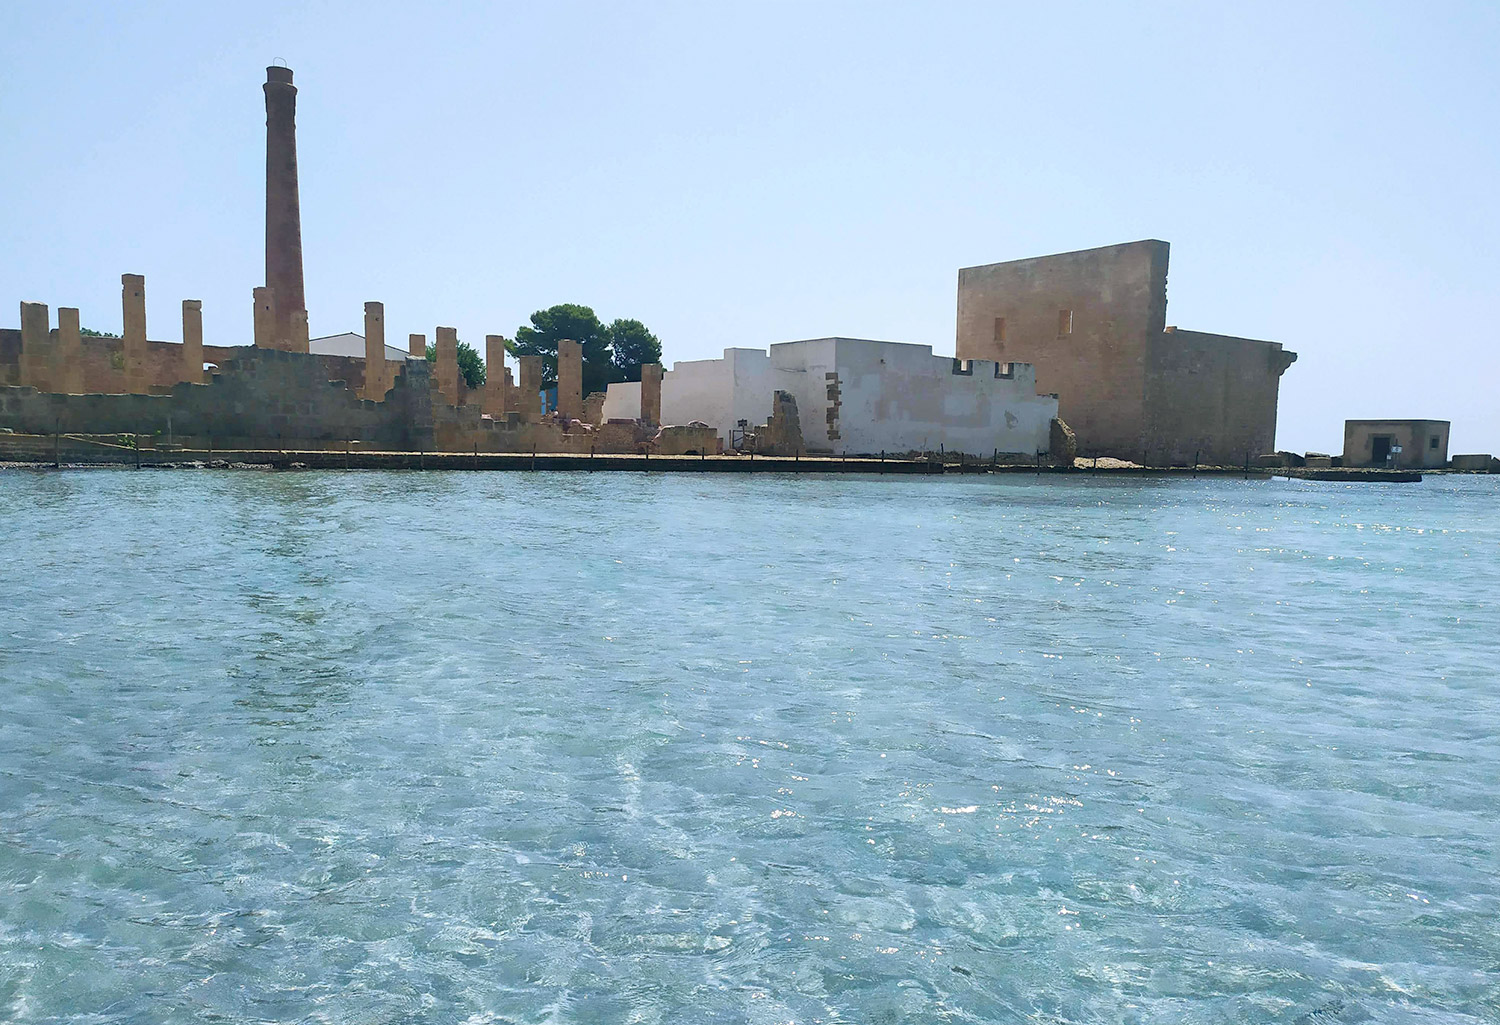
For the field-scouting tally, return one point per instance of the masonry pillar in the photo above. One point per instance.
(375, 382)
(67, 373)
(570, 378)
(133, 305)
(35, 339)
(494, 376)
(265, 317)
(299, 341)
(283, 210)
(416, 346)
(651, 393)
(529, 401)
(192, 341)
(447, 363)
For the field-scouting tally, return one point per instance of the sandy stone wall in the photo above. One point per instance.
(1213, 395)
(1093, 323)
(1085, 321)
(260, 393)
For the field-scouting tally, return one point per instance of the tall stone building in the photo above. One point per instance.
(1094, 324)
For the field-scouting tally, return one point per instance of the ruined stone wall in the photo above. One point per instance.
(100, 369)
(264, 394)
(1085, 320)
(1214, 395)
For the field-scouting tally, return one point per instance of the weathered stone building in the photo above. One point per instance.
(1094, 324)
(1403, 444)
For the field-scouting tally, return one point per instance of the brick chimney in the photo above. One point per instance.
(283, 211)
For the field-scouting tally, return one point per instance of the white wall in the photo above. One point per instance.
(892, 396)
(895, 397)
(720, 392)
(622, 401)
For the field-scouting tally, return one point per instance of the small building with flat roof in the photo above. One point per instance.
(1403, 444)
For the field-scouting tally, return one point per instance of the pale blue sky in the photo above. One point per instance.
(751, 173)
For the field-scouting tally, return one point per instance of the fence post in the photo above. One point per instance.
(57, 444)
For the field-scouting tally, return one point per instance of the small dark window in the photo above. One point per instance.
(1432, 442)
(999, 329)
(1064, 322)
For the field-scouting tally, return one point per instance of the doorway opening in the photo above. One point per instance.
(1380, 449)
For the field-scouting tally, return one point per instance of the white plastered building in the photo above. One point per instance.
(856, 396)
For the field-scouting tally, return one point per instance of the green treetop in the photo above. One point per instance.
(610, 353)
(632, 346)
(470, 367)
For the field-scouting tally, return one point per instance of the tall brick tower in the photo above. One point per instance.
(284, 213)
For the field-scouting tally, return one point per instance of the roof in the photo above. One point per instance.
(349, 344)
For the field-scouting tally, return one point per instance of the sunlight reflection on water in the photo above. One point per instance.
(521, 747)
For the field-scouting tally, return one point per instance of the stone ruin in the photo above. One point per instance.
(276, 391)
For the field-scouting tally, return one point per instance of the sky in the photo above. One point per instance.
(743, 174)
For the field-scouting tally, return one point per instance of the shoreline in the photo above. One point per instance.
(49, 454)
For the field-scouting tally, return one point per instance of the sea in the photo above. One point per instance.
(378, 747)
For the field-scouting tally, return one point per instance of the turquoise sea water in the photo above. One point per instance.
(385, 747)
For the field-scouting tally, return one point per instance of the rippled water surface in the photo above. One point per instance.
(369, 747)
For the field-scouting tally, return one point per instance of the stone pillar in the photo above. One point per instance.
(375, 383)
(416, 346)
(36, 356)
(192, 340)
(570, 378)
(447, 363)
(133, 303)
(512, 403)
(529, 400)
(651, 392)
(283, 208)
(68, 364)
(494, 376)
(299, 341)
(265, 318)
